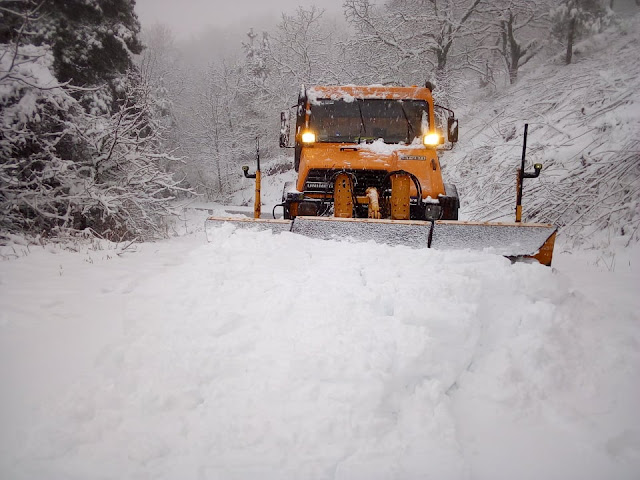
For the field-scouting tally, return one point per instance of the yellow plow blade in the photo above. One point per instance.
(513, 240)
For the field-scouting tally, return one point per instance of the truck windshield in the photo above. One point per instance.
(393, 121)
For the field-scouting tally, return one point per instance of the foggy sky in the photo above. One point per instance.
(186, 17)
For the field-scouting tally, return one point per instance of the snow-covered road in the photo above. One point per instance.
(277, 356)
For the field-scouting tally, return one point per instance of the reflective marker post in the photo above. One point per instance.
(245, 170)
(522, 175)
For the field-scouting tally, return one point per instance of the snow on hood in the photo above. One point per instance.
(381, 148)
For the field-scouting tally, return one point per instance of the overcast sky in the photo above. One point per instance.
(186, 17)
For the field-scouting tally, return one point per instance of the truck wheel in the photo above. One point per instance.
(296, 158)
(286, 205)
(450, 202)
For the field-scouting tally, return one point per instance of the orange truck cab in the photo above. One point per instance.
(371, 140)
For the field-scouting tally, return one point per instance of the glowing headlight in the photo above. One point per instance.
(431, 139)
(308, 137)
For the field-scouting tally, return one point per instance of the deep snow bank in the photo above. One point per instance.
(276, 356)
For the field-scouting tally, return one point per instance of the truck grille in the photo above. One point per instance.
(321, 181)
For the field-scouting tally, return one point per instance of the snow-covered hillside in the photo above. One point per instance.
(584, 124)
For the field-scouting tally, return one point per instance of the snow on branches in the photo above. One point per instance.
(127, 186)
(67, 164)
(573, 19)
(36, 118)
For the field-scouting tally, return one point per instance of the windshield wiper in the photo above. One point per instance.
(409, 126)
(363, 129)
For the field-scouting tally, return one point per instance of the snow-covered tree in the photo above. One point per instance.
(160, 66)
(516, 31)
(159, 63)
(408, 41)
(93, 42)
(573, 19)
(63, 163)
(256, 53)
(37, 141)
(207, 121)
(125, 181)
(304, 49)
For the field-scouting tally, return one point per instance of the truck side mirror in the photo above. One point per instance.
(452, 129)
(285, 128)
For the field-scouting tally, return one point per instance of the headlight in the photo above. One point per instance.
(308, 137)
(431, 139)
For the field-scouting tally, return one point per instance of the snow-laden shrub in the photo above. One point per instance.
(75, 158)
(63, 168)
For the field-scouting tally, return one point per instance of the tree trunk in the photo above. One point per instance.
(442, 60)
(514, 51)
(571, 33)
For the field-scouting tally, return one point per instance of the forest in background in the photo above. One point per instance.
(104, 125)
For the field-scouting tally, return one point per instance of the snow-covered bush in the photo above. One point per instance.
(126, 187)
(73, 158)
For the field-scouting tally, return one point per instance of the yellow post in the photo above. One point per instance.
(343, 197)
(519, 196)
(400, 196)
(520, 177)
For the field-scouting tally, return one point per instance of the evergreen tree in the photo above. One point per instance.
(92, 39)
(92, 42)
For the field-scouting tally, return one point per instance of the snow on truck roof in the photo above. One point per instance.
(349, 93)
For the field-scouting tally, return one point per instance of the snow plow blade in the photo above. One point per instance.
(512, 240)
(412, 233)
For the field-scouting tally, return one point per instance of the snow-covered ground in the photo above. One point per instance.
(278, 356)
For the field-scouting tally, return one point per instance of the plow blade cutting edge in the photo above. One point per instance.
(513, 240)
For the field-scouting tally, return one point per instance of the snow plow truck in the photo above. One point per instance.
(368, 169)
